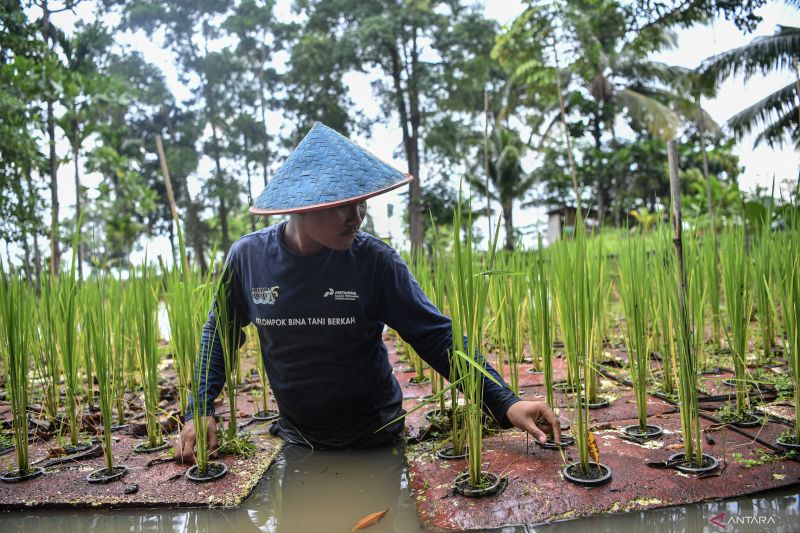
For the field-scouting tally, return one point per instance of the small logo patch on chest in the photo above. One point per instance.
(264, 295)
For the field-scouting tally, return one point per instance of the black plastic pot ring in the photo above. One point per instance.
(15, 476)
(570, 476)
(102, 475)
(143, 448)
(462, 486)
(635, 432)
(266, 416)
(194, 475)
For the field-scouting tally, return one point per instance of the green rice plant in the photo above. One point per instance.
(132, 352)
(145, 317)
(710, 264)
(598, 297)
(86, 360)
(262, 371)
(436, 291)
(182, 310)
(685, 341)
(46, 357)
(98, 342)
(468, 295)
(635, 294)
(540, 320)
(697, 294)
(788, 283)
(513, 314)
(228, 332)
(573, 293)
(17, 318)
(120, 345)
(662, 312)
(64, 315)
(736, 277)
(763, 284)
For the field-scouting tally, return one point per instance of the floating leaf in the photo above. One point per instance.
(593, 448)
(370, 520)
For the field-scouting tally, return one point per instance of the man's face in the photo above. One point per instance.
(335, 227)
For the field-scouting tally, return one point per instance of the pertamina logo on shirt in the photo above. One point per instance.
(265, 295)
(349, 296)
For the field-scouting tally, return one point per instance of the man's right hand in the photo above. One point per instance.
(184, 444)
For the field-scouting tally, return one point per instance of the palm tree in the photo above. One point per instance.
(778, 115)
(621, 80)
(509, 180)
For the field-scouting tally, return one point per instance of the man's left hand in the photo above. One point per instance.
(536, 418)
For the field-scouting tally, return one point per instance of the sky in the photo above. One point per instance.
(694, 45)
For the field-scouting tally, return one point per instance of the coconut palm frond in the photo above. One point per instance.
(689, 109)
(785, 129)
(761, 55)
(655, 117)
(645, 71)
(765, 110)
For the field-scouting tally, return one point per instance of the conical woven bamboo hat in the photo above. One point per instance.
(326, 170)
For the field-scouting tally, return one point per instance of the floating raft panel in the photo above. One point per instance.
(537, 492)
(162, 485)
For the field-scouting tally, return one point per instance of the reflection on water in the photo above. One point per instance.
(311, 491)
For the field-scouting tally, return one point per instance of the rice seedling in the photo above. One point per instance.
(698, 289)
(635, 294)
(46, 357)
(182, 310)
(16, 317)
(599, 286)
(573, 293)
(763, 284)
(540, 320)
(145, 317)
(684, 337)
(120, 345)
(688, 370)
(710, 265)
(229, 333)
(468, 294)
(98, 342)
(65, 317)
(788, 283)
(663, 326)
(265, 413)
(736, 277)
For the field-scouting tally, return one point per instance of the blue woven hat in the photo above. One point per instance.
(326, 170)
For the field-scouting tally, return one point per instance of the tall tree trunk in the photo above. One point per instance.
(508, 217)
(601, 204)
(55, 254)
(195, 233)
(24, 234)
(37, 258)
(222, 208)
(410, 144)
(76, 147)
(266, 162)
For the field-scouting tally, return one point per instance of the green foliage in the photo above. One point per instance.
(16, 321)
(635, 295)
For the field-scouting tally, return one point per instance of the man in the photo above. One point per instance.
(320, 292)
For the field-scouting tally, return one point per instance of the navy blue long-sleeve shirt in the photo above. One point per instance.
(320, 320)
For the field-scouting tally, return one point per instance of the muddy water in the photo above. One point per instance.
(327, 492)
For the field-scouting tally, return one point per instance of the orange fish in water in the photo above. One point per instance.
(593, 450)
(370, 520)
